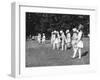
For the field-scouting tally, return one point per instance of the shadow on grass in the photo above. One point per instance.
(84, 54)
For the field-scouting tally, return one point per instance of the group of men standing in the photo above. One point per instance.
(41, 38)
(63, 41)
(59, 40)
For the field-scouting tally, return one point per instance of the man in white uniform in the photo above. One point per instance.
(68, 39)
(43, 39)
(39, 38)
(77, 43)
(74, 42)
(62, 40)
(58, 40)
(53, 37)
(80, 43)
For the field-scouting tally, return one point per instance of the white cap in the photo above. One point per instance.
(74, 29)
(67, 31)
(77, 31)
(61, 31)
(55, 31)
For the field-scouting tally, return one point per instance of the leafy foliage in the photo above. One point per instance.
(47, 22)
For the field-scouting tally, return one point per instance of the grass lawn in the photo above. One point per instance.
(43, 55)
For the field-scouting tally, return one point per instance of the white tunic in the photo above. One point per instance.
(62, 38)
(52, 38)
(68, 38)
(43, 38)
(74, 39)
(80, 42)
(39, 38)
